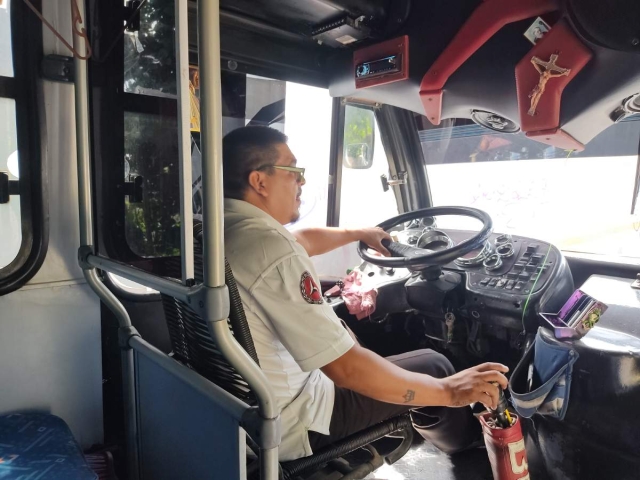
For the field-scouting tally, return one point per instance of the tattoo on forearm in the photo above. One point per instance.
(410, 395)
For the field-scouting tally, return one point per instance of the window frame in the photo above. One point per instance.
(24, 89)
(109, 102)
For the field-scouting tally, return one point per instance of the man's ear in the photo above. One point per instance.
(258, 182)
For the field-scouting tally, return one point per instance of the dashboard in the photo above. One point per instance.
(506, 282)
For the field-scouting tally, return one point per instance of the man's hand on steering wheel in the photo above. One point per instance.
(373, 237)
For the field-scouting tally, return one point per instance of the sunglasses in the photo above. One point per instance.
(297, 170)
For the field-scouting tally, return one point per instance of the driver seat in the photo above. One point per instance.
(193, 346)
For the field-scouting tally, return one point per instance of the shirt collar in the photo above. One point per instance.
(246, 209)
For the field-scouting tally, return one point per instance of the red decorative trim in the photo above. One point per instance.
(572, 54)
(485, 21)
(558, 138)
(396, 46)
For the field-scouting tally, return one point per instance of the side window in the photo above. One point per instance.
(11, 237)
(22, 231)
(363, 200)
(149, 215)
(152, 222)
(308, 126)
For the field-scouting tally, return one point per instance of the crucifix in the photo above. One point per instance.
(546, 70)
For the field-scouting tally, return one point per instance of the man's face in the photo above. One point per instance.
(284, 188)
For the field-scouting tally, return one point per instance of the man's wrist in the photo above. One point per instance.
(353, 234)
(445, 392)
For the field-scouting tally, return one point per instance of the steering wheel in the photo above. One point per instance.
(405, 256)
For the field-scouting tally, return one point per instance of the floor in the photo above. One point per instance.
(424, 461)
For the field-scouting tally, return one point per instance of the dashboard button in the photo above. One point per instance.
(510, 284)
(530, 268)
(512, 275)
(501, 283)
(485, 281)
(519, 286)
(493, 282)
(532, 248)
(524, 276)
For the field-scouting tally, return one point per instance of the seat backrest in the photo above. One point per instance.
(191, 342)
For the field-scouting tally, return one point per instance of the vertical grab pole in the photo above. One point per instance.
(217, 302)
(85, 210)
(211, 142)
(184, 139)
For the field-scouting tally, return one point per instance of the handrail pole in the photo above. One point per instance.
(213, 227)
(85, 211)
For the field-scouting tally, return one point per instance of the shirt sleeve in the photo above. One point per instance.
(290, 297)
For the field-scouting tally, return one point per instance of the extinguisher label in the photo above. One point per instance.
(518, 459)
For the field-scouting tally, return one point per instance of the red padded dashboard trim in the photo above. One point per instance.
(572, 54)
(556, 137)
(485, 21)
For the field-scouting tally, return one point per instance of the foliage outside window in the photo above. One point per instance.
(152, 227)
(149, 54)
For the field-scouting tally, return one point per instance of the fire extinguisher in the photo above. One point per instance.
(503, 437)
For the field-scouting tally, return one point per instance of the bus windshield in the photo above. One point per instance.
(583, 202)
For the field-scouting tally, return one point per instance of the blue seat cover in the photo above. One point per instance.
(37, 446)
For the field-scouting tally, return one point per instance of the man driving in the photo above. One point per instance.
(326, 385)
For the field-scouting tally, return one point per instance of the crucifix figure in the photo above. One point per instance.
(546, 70)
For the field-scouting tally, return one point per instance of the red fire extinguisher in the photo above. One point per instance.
(505, 443)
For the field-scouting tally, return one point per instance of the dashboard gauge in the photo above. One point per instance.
(475, 257)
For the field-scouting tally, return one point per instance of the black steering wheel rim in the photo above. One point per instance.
(431, 259)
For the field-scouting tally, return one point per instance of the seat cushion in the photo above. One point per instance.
(37, 445)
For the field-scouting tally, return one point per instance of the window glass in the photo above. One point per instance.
(6, 61)
(11, 237)
(152, 227)
(579, 201)
(308, 126)
(149, 54)
(363, 201)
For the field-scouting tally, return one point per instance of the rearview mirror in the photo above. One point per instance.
(359, 137)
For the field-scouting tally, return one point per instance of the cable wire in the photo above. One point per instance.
(77, 26)
(526, 304)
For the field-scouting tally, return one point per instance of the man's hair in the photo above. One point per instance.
(245, 150)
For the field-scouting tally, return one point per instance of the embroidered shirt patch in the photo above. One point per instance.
(310, 291)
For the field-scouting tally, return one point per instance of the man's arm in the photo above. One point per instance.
(317, 241)
(367, 373)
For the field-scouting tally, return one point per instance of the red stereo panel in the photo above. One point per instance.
(396, 46)
(485, 21)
